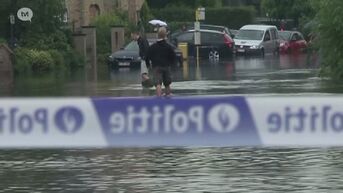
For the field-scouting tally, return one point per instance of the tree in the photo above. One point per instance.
(5, 10)
(301, 9)
(145, 17)
(188, 3)
(329, 36)
(290, 9)
(276, 8)
(47, 19)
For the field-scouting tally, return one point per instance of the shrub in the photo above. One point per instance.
(41, 61)
(73, 60)
(145, 15)
(22, 61)
(59, 62)
(103, 25)
(30, 61)
(57, 41)
(2, 41)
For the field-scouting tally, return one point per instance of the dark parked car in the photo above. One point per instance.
(292, 42)
(214, 44)
(129, 56)
(219, 28)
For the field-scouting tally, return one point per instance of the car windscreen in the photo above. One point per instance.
(285, 35)
(249, 35)
(132, 46)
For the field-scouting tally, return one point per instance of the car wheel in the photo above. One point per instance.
(262, 52)
(180, 62)
(113, 65)
(289, 50)
(214, 55)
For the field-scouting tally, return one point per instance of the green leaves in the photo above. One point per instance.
(330, 33)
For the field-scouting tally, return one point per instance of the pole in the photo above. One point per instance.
(198, 58)
(12, 23)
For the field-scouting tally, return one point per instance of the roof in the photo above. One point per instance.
(6, 48)
(207, 30)
(258, 27)
(289, 31)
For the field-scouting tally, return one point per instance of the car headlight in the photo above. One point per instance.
(254, 47)
(110, 58)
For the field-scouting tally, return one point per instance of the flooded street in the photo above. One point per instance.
(242, 75)
(173, 170)
(198, 170)
(271, 75)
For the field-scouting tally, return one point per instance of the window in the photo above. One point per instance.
(274, 34)
(267, 36)
(207, 37)
(249, 35)
(300, 37)
(285, 35)
(94, 11)
(132, 46)
(296, 37)
(186, 37)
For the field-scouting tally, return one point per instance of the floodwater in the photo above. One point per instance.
(271, 75)
(195, 170)
(201, 170)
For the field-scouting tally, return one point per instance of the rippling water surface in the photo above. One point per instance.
(173, 170)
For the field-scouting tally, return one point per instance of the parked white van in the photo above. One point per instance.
(258, 39)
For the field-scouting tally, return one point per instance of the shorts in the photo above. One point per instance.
(162, 75)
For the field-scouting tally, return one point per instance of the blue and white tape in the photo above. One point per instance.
(179, 121)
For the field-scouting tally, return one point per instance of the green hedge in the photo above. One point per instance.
(2, 41)
(37, 61)
(28, 61)
(232, 17)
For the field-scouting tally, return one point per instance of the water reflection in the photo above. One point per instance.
(172, 170)
(271, 74)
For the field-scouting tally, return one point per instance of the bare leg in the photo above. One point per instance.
(158, 90)
(168, 90)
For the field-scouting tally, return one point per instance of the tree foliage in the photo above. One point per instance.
(183, 3)
(47, 17)
(45, 41)
(103, 25)
(290, 9)
(330, 32)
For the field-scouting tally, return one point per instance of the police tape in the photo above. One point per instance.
(178, 121)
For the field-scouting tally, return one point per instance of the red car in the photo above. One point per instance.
(292, 42)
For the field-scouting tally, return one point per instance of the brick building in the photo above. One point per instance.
(81, 12)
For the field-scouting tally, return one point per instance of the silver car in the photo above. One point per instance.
(258, 39)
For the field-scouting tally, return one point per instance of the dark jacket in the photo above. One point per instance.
(143, 47)
(161, 54)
